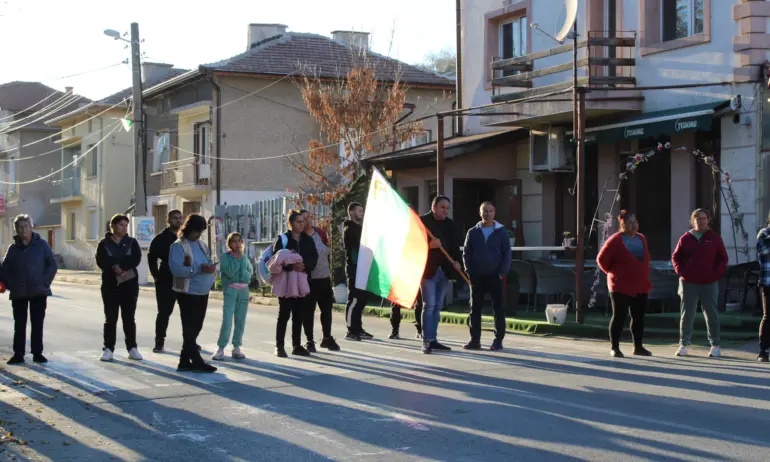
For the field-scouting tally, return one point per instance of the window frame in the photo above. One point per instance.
(202, 130)
(158, 157)
(93, 157)
(651, 29)
(493, 21)
(13, 174)
(691, 8)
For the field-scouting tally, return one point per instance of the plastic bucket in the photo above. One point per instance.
(341, 294)
(556, 314)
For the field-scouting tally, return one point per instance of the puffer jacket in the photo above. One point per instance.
(28, 270)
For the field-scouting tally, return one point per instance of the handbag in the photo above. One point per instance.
(128, 274)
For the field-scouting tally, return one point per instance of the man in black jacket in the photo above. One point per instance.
(351, 239)
(438, 270)
(164, 294)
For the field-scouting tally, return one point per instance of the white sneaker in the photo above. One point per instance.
(238, 354)
(682, 351)
(106, 355)
(134, 354)
(715, 352)
(219, 355)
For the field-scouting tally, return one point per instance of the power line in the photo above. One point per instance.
(57, 150)
(47, 108)
(48, 114)
(34, 105)
(74, 161)
(87, 72)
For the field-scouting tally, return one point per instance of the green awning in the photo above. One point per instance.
(658, 123)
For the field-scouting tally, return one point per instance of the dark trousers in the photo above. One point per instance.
(395, 315)
(764, 326)
(192, 309)
(120, 300)
(37, 307)
(357, 300)
(321, 294)
(290, 308)
(621, 304)
(481, 286)
(166, 298)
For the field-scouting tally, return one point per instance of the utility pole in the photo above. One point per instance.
(578, 132)
(440, 155)
(140, 198)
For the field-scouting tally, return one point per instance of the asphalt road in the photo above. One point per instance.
(380, 400)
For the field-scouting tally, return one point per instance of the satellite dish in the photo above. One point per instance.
(572, 9)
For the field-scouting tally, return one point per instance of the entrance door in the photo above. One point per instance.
(159, 212)
(189, 208)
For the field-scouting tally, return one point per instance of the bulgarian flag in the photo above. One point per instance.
(394, 246)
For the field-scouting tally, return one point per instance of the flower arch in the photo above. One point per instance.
(634, 162)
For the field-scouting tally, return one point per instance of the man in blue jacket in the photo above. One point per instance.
(487, 259)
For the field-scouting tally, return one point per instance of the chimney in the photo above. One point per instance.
(155, 71)
(359, 40)
(259, 32)
(68, 89)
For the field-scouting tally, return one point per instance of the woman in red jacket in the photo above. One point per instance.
(700, 260)
(626, 260)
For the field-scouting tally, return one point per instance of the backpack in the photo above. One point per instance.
(264, 273)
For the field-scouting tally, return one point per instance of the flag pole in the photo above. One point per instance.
(446, 254)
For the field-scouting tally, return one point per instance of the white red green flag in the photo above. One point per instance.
(394, 246)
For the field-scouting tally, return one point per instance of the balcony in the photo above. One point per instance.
(67, 191)
(606, 67)
(188, 178)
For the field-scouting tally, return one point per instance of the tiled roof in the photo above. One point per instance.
(318, 55)
(18, 96)
(126, 93)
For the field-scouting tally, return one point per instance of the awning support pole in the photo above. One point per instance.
(440, 154)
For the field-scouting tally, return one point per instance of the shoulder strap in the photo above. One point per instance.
(284, 240)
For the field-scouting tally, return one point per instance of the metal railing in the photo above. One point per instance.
(184, 172)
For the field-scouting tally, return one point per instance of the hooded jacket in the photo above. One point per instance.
(626, 274)
(351, 241)
(28, 270)
(490, 257)
(119, 255)
(700, 261)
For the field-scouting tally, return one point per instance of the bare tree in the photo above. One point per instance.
(443, 62)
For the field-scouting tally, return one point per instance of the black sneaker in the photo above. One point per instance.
(365, 335)
(394, 335)
(426, 350)
(203, 367)
(158, 347)
(764, 356)
(497, 345)
(281, 352)
(472, 345)
(353, 337)
(299, 350)
(616, 353)
(310, 347)
(434, 345)
(642, 351)
(16, 359)
(330, 344)
(39, 359)
(184, 366)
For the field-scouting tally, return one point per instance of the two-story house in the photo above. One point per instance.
(98, 185)
(30, 154)
(220, 132)
(686, 72)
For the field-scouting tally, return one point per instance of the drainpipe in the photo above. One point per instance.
(219, 138)
(459, 68)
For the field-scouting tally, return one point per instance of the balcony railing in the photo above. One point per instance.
(67, 189)
(189, 172)
(609, 60)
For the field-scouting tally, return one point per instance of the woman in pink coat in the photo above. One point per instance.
(292, 307)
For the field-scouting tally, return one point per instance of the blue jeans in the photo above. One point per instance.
(433, 291)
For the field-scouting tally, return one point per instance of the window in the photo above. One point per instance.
(424, 137)
(189, 208)
(682, 18)
(513, 39)
(201, 145)
(72, 222)
(162, 151)
(411, 195)
(12, 187)
(432, 190)
(93, 219)
(93, 160)
(159, 212)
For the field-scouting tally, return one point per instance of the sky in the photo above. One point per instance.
(52, 40)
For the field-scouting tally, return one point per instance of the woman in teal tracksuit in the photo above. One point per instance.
(236, 273)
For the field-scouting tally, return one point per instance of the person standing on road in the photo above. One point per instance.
(438, 270)
(164, 292)
(190, 263)
(321, 292)
(395, 318)
(236, 272)
(487, 259)
(700, 260)
(763, 255)
(626, 260)
(118, 255)
(357, 298)
(289, 307)
(27, 272)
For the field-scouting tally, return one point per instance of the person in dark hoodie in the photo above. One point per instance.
(357, 298)
(294, 308)
(164, 280)
(27, 272)
(487, 259)
(700, 259)
(438, 270)
(118, 255)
